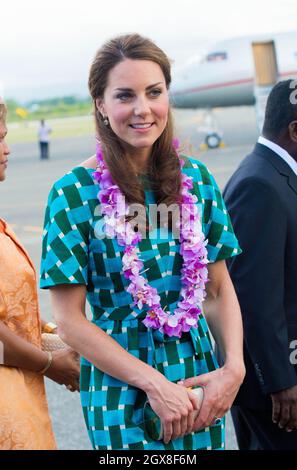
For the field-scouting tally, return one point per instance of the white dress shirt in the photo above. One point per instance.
(43, 133)
(280, 152)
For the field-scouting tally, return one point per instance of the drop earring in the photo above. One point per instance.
(106, 121)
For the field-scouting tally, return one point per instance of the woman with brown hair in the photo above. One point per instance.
(145, 282)
(24, 419)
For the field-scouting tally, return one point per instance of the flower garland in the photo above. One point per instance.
(194, 274)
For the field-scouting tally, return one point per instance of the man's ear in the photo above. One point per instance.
(100, 106)
(293, 131)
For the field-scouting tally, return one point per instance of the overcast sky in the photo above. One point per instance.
(46, 46)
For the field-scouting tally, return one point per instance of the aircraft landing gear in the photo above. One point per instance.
(213, 140)
(213, 137)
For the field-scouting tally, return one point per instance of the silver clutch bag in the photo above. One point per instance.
(51, 342)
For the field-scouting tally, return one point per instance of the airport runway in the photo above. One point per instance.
(23, 198)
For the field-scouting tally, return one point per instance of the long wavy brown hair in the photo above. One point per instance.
(3, 112)
(164, 168)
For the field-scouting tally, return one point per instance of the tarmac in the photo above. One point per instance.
(23, 199)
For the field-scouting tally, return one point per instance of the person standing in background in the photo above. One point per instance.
(44, 132)
(261, 198)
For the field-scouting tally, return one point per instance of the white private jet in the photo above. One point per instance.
(224, 76)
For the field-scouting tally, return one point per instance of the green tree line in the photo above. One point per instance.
(48, 108)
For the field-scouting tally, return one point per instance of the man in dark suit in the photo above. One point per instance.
(261, 198)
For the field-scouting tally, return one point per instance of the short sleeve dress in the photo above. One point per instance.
(25, 423)
(74, 254)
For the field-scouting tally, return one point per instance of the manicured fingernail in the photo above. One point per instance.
(181, 382)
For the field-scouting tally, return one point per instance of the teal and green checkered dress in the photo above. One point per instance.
(72, 254)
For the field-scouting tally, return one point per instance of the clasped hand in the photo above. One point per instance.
(65, 369)
(175, 404)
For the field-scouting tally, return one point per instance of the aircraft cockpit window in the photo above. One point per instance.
(216, 56)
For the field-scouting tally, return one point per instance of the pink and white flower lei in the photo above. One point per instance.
(194, 273)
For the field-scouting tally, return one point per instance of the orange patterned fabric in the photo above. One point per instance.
(24, 418)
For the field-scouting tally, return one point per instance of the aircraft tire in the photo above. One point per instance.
(213, 140)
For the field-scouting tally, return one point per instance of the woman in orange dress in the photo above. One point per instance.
(24, 418)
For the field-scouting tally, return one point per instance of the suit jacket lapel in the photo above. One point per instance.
(292, 182)
(279, 164)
